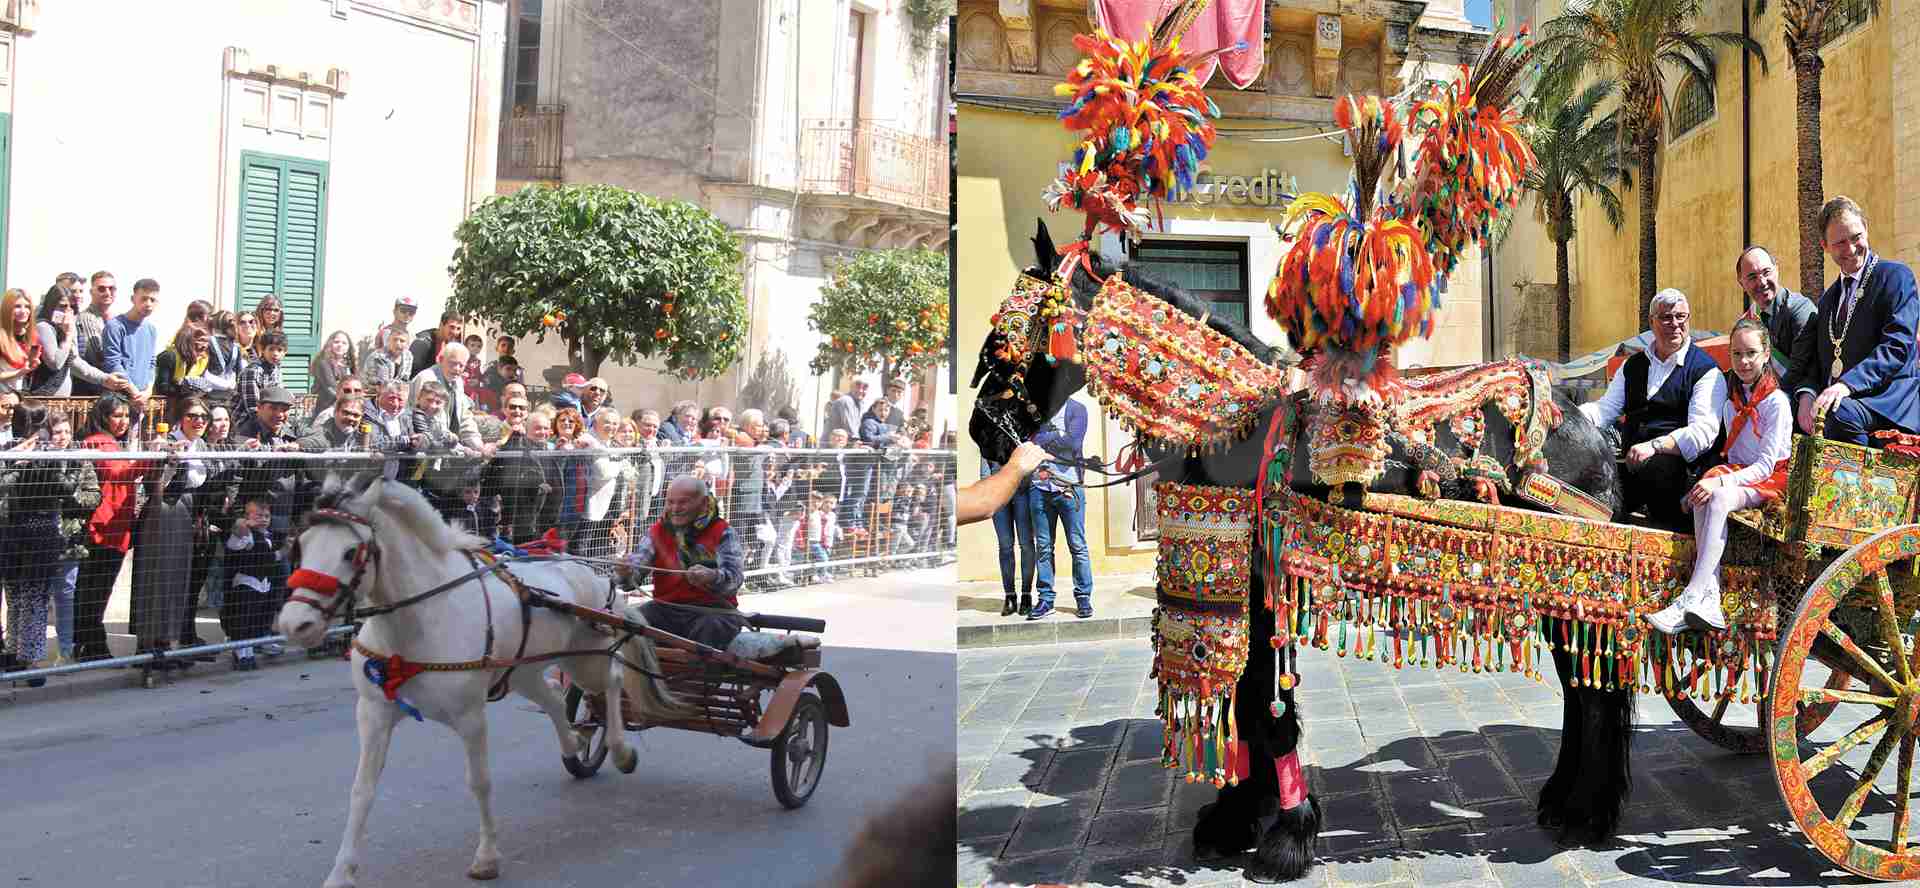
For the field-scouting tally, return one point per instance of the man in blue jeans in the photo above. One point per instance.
(1058, 497)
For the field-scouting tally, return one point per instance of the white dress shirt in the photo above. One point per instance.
(1764, 442)
(1701, 422)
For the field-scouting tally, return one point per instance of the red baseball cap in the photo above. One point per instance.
(573, 379)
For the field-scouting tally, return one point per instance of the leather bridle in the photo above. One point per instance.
(329, 594)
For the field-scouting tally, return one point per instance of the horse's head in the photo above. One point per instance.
(335, 558)
(1017, 396)
(1019, 388)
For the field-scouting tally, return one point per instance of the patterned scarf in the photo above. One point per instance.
(683, 537)
(1746, 404)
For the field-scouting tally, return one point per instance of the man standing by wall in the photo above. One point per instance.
(129, 343)
(1057, 497)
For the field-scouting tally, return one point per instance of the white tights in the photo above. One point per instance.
(1710, 533)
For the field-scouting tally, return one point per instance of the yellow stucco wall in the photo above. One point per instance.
(1699, 194)
(1006, 159)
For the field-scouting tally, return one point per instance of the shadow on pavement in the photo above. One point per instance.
(1093, 806)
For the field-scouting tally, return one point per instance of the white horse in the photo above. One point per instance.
(384, 543)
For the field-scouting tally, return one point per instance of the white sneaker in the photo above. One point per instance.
(1703, 609)
(1670, 619)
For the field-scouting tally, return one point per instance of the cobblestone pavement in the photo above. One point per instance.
(1426, 778)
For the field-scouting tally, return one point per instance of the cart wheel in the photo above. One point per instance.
(592, 735)
(800, 752)
(1884, 713)
(1750, 739)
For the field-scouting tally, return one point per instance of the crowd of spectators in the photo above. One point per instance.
(569, 468)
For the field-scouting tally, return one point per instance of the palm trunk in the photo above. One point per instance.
(1811, 190)
(1563, 298)
(1649, 248)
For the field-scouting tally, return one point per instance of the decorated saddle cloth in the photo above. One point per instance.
(1200, 627)
(1166, 375)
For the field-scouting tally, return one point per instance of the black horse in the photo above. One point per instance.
(1583, 798)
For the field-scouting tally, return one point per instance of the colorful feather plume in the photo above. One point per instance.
(1472, 159)
(1145, 123)
(1367, 272)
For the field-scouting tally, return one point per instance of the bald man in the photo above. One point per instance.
(697, 567)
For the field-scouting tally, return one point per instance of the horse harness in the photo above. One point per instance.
(368, 552)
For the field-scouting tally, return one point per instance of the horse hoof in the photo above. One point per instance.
(626, 760)
(484, 872)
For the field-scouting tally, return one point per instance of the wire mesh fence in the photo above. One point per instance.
(161, 549)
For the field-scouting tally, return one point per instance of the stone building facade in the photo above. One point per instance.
(815, 129)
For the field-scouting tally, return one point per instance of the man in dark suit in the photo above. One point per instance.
(1787, 314)
(1856, 363)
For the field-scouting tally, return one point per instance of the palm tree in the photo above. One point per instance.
(1807, 26)
(1639, 43)
(1573, 152)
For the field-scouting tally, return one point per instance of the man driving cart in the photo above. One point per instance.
(697, 567)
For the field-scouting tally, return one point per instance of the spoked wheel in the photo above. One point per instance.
(800, 753)
(1867, 831)
(590, 729)
(1741, 737)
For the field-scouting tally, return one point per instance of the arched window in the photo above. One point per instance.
(1692, 105)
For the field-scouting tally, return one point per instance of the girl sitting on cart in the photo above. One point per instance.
(1756, 421)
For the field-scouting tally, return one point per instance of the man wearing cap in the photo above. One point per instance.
(269, 428)
(404, 308)
(595, 395)
(896, 395)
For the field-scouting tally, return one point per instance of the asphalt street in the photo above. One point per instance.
(241, 779)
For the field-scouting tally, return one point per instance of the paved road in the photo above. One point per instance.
(1426, 778)
(240, 779)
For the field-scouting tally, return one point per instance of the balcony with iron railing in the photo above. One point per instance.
(530, 140)
(858, 158)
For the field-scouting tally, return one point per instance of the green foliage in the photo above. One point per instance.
(617, 274)
(928, 17)
(883, 309)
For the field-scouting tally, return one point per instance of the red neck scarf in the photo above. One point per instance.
(1746, 404)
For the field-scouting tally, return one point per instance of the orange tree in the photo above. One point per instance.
(617, 275)
(884, 310)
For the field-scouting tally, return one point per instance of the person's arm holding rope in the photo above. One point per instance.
(979, 500)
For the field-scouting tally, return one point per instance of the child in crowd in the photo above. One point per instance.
(392, 360)
(262, 374)
(254, 563)
(1757, 422)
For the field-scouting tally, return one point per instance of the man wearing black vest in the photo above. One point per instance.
(1856, 363)
(1657, 393)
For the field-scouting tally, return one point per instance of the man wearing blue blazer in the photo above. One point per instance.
(1856, 362)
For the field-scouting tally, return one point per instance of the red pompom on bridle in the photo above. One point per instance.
(326, 588)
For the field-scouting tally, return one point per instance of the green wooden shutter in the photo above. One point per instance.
(6, 182)
(282, 247)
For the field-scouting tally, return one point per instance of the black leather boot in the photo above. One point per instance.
(1012, 605)
(1026, 604)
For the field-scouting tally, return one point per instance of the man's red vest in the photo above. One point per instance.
(673, 587)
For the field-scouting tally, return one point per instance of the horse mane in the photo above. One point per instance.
(406, 507)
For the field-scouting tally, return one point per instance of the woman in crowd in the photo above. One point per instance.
(608, 485)
(331, 364)
(181, 371)
(877, 429)
(110, 527)
(164, 540)
(82, 484)
(60, 343)
(569, 473)
(271, 313)
(234, 343)
(19, 341)
(520, 482)
(41, 495)
(219, 425)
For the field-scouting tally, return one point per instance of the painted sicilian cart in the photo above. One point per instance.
(1460, 519)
